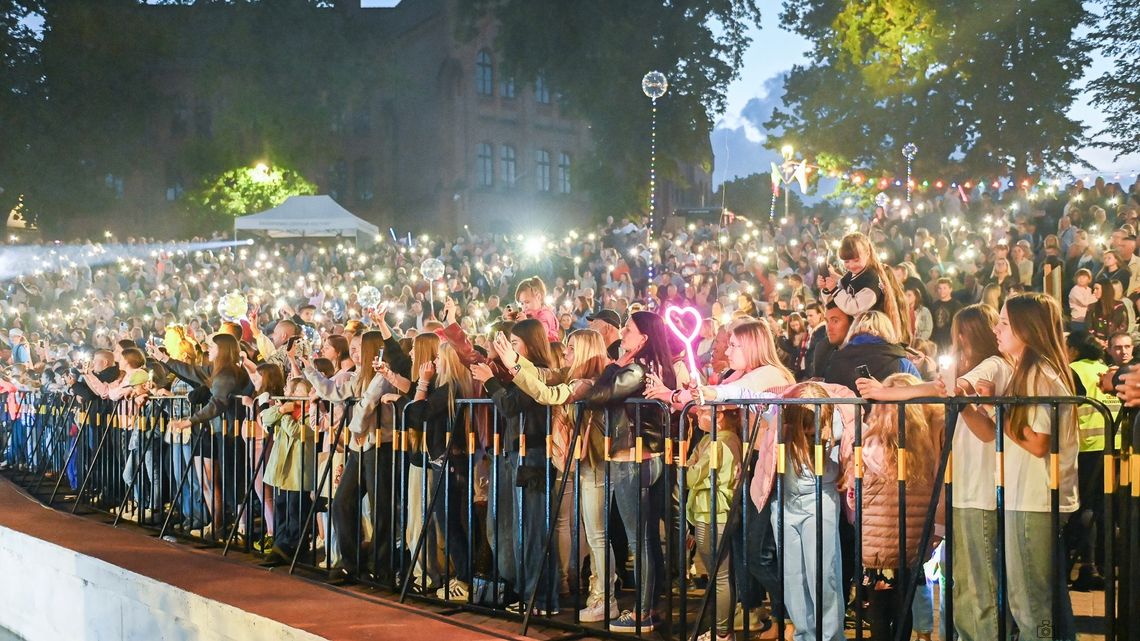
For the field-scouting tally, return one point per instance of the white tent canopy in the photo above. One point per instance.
(308, 216)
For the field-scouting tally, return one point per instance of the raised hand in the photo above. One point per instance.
(481, 372)
(427, 371)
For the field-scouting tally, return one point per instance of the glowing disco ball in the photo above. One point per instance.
(369, 297)
(232, 307)
(654, 84)
(432, 268)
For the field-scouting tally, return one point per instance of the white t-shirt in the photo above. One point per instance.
(1026, 475)
(974, 460)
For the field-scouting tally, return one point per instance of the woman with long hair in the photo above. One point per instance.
(880, 517)
(1030, 333)
(523, 464)
(1107, 315)
(636, 483)
(793, 341)
(440, 417)
(268, 381)
(226, 380)
(361, 460)
(977, 358)
(586, 354)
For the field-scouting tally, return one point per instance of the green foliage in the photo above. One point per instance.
(1118, 91)
(220, 84)
(595, 52)
(249, 190)
(751, 197)
(21, 90)
(981, 87)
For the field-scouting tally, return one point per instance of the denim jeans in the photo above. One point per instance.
(1032, 551)
(594, 520)
(191, 502)
(637, 490)
(975, 574)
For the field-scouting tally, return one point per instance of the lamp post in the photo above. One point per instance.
(788, 152)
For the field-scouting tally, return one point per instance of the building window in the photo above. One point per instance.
(508, 171)
(173, 182)
(484, 74)
(563, 173)
(114, 184)
(507, 87)
(541, 91)
(484, 164)
(542, 170)
(364, 177)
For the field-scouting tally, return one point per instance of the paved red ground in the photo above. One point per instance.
(325, 611)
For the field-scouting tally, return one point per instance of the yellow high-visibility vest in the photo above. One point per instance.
(1090, 422)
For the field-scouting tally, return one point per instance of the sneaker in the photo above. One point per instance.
(264, 545)
(519, 607)
(627, 622)
(707, 636)
(595, 610)
(456, 590)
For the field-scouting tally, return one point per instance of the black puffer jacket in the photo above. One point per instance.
(613, 388)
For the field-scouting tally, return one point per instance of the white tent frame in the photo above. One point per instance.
(308, 217)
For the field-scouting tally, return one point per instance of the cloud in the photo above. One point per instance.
(738, 138)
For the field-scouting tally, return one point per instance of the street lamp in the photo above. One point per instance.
(788, 152)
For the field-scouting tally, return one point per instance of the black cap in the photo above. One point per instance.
(607, 315)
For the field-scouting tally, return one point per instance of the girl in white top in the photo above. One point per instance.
(1080, 298)
(975, 351)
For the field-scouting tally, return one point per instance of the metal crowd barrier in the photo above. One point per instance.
(473, 512)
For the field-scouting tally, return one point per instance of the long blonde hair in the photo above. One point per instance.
(759, 347)
(799, 425)
(1035, 319)
(590, 356)
(882, 427)
(893, 299)
(424, 349)
(453, 375)
(873, 323)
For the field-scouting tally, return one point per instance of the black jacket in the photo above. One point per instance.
(613, 388)
(883, 359)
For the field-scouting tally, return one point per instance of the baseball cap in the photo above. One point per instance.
(14, 332)
(607, 315)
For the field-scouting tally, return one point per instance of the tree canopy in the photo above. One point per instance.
(1117, 91)
(982, 88)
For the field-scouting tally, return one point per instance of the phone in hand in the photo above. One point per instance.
(863, 371)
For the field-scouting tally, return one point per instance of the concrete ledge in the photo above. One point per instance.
(51, 593)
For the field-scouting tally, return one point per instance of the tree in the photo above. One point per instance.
(981, 88)
(1118, 91)
(595, 52)
(21, 89)
(246, 190)
(751, 197)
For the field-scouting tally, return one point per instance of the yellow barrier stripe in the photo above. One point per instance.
(819, 460)
(471, 442)
(949, 476)
(1054, 471)
(780, 466)
(999, 470)
(638, 448)
(858, 461)
(1134, 468)
(1109, 474)
(607, 447)
(522, 443)
(902, 464)
(714, 456)
(549, 447)
(684, 453)
(1125, 477)
(668, 451)
(495, 445)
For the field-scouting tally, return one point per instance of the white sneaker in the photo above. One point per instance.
(707, 636)
(456, 590)
(595, 610)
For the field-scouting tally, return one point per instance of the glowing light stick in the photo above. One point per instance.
(686, 337)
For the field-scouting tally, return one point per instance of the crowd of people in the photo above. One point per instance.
(1021, 293)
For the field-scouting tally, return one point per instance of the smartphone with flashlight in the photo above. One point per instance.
(948, 373)
(863, 371)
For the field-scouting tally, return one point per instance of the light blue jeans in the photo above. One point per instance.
(1031, 549)
(975, 574)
